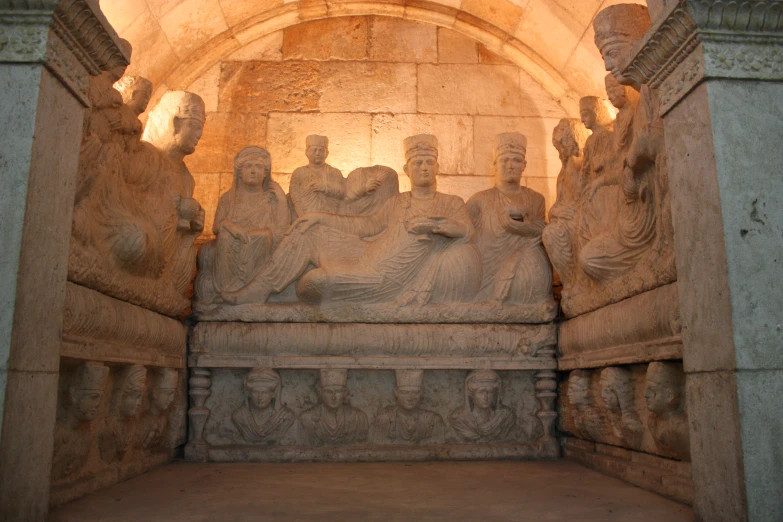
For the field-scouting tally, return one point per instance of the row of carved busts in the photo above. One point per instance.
(358, 239)
(264, 419)
(602, 406)
(130, 427)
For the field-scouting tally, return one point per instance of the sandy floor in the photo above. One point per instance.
(453, 491)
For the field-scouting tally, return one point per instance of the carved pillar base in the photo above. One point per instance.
(197, 449)
(546, 393)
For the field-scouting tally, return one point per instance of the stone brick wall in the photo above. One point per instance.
(367, 82)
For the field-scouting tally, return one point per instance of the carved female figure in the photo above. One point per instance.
(263, 418)
(483, 418)
(617, 392)
(120, 428)
(154, 425)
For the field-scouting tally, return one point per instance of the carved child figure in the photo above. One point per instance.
(588, 420)
(407, 423)
(617, 392)
(508, 220)
(263, 418)
(136, 92)
(483, 418)
(120, 428)
(600, 166)
(332, 421)
(668, 420)
(317, 187)
(73, 430)
(154, 425)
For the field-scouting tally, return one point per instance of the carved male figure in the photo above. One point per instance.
(263, 418)
(600, 166)
(559, 236)
(251, 219)
(317, 187)
(136, 92)
(509, 220)
(415, 249)
(332, 421)
(483, 418)
(407, 422)
(73, 430)
(120, 428)
(668, 421)
(617, 392)
(154, 432)
(588, 420)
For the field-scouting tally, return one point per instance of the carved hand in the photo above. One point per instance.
(422, 225)
(449, 228)
(318, 187)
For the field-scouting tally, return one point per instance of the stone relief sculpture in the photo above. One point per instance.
(617, 392)
(368, 188)
(73, 429)
(588, 419)
(119, 430)
(509, 219)
(317, 187)
(668, 420)
(483, 418)
(407, 422)
(154, 426)
(559, 237)
(598, 167)
(251, 219)
(262, 418)
(332, 421)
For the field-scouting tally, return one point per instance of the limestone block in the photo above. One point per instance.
(191, 24)
(581, 10)
(454, 47)
(490, 58)
(395, 40)
(207, 87)
(343, 38)
(549, 28)
(237, 11)
(156, 58)
(269, 86)
(367, 87)
(349, 142)
(542, 159)
(464, 186)
(120, 16)
(225, 133)
(585, 66)
(456, 151)
(504, 15)
(161, 7)
(269, 47)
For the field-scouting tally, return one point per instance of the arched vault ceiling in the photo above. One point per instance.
(175, 41)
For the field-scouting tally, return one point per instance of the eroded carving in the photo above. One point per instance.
(617, 392)
(588, 419)
(483, 418)
(668, 420)
(119, 430)
(407, 422)
(154, 426)
(263, 418)
(333, 420)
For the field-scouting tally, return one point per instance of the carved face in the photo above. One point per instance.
(333, 396)
(579, 393)
(261, 395)
(187, 132)
(131, 401)
(317, 154)
(139, 100)
(484, 395)
(588, 118)
(509, 167)
(408, 398)
(609, 395)
(423, 170)
(162, 398)
(254, 171)
(616, 55)
(660, 396)
(85, 403)
(615, 92)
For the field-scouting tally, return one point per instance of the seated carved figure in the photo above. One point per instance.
(73, 429)
(668, 420)
(589, 421)
(559, 236)
(509, 219)
(617, 392)
(136, 92)
(263, 418)
(483, 418)
(251, 219)
(416, 249)
(407, 423)
(317, 187)
(120, 428)
(154, 425)
(332, 421)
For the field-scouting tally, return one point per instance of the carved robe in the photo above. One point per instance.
(671, 434)
(307, 200)
(468, 428)
(317, 428)
(154, 433)
(515, 268)
(270, 431)
(559, 237)
(71, 450)
(421, 426)
(116, 439)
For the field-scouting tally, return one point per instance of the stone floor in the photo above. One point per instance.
(453, 491)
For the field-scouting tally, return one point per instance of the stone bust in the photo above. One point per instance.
(332, 421)
(589, 421)
(668, 420)
(483, 418)
(262, 418)
(154, 425)
(119, 431)
(407, 422)
(617, 392)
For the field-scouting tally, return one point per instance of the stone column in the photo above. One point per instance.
(48, 50)
(718, 69)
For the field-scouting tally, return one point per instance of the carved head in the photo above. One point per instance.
(617, 389)
(615, 92)
(333, 389)
(579, 389)
(136, 92)
(664, 387)
(253, 167)
(317, 149)
(117, 73)
(617, 29)
(421, 159)
(175, 124)
(510, 162)
(482, 388)
(164, 388)
(569, 138)
(594, 112)
(263, 388)
(86, 390)
(408, 390)
(130, 390)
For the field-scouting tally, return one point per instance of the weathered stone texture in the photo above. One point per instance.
(335, 39)
(368, 87)
(394, 40)
(454, 47)
(225, 133)
(269, 47)
(505, 15)
(542, 160)
(191, 24)
(269, 86)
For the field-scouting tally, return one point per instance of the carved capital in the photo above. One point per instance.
(699, 39)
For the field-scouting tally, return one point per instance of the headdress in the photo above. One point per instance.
(334, 378)
(91, 376)
(409, 378)
(315, 140)
(133, 376)
(510, 142)
(127, 85)
(621, 23)
(166, 378)
(173, 104)
(250, 152)
(420, 145)
(479, 377)
(262, 376)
